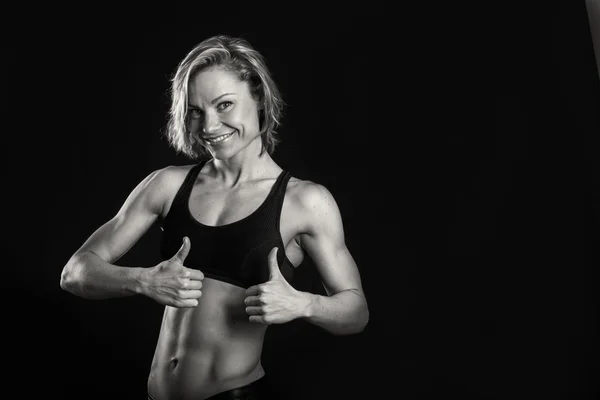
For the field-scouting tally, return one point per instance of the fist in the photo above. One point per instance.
(275, 301)
(171, 283)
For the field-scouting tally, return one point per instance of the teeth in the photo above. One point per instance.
(218, 139)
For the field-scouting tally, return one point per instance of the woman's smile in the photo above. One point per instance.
(217, 140)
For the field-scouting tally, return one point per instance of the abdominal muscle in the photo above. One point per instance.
(207, 349)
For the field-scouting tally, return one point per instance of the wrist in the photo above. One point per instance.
(307, 304)
(137, 281)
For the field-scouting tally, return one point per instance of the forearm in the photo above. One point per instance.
(89, 276)
(343, 313)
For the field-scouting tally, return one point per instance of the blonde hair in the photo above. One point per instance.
(235, 55)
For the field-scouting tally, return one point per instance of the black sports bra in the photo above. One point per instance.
(236, 253)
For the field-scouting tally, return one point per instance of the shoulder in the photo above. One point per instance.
(161, 184)
(312, 198)
(167, 177)
(314, 209)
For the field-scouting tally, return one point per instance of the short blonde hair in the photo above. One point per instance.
(235, 55)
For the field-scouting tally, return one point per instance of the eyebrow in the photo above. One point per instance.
(218, 98)
(213, 101)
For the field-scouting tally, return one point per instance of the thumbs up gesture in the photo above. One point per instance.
(171, 283)
(275, 301)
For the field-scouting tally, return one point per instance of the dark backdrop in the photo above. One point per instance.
(451, 139)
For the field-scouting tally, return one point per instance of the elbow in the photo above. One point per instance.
(362, 319)
(71, 276)
(67, 279)
(361, 316)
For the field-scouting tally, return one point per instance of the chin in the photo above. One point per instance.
(222, 154)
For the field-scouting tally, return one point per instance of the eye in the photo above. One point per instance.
(194, 113)
(224, 105)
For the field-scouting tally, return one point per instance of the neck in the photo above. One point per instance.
(246, 165)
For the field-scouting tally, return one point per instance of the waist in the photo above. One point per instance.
(213, 343)
(202, 372)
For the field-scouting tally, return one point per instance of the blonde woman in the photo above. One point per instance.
(235, 225)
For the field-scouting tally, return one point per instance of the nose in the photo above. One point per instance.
(212, 124)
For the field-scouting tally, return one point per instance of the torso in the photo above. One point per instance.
(213, 347)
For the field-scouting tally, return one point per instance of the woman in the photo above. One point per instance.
(235, 225)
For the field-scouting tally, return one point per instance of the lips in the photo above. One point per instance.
(217, 139)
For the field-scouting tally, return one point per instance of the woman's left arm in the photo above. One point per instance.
(344, 310)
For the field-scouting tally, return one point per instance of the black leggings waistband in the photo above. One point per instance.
(257, 390)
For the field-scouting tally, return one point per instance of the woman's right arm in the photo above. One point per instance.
(90, 272)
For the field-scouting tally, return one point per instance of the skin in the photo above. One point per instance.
(212, 332)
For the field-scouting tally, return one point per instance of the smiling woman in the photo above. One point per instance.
(235, 225)
(244, 65)
(220, 108)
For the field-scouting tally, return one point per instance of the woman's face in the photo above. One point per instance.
(222, 113)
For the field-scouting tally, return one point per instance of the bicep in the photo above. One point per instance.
(324, 242)
(137, 214)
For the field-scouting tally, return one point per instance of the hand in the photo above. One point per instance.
(172, 284)
(275, 301)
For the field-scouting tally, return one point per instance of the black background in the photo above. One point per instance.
(459, 144)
